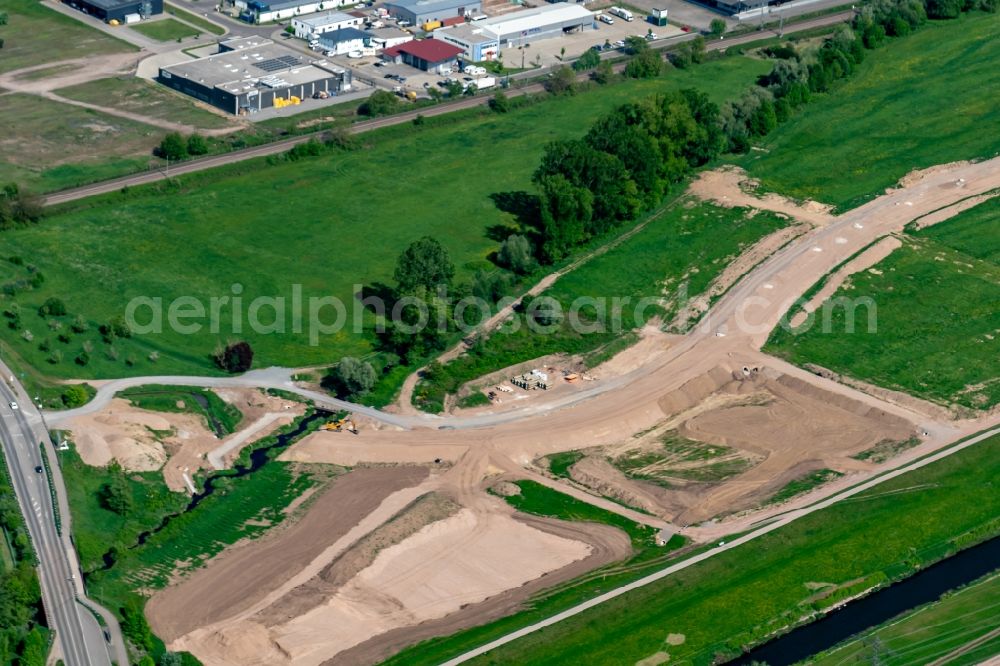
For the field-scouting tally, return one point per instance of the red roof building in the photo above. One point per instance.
(430, 55)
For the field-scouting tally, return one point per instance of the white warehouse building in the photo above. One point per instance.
(309, 27)
(478, 39)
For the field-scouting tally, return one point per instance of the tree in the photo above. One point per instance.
(115, 495)
(943, 9)
(172, 147)
(604, 73)
(646, 64)
(380, 103)
(18, 207)
(116, 327)
(566, 210)
(589, 60)
(500, 102)
(236, 357)
(351, 377)
(197, 145)
(424, 264)
(74, 396)
(635, 44)
(490, 287)
(717, 27)
(52, 307)
(517, 254)
(562, 81)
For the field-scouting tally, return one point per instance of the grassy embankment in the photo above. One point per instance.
(742, 596)
(544, 501)
(923, 100)
(962, 619)
(936, 312)
(332, 238)
(216, 411)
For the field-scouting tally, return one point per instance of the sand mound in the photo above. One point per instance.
(730, 186)
(448, 564)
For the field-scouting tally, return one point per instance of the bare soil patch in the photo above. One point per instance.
(607, 545)
(731, 186)
(240, 576)
(769, 428)
(444, 567)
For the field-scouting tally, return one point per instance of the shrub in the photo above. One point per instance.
(172, 147)
(53, 307)
(236, 357)
(351, 378)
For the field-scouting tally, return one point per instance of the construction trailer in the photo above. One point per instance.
(657, 17)
(251, 73)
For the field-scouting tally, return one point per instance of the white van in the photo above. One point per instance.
(604, 18)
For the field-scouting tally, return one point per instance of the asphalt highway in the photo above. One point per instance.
(79, 638)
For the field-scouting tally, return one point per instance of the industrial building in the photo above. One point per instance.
(262, 11)
(430, 55)
(117, 10)
(343, 41)
(419, 12)
(384, 38)
(310, 27)
(479, 40)
(251, 73)
(476, 43)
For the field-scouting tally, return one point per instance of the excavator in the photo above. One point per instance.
(340, 425)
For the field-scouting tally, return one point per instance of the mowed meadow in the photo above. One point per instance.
(927, 99)
(327, 223)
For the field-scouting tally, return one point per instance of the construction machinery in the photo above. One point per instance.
(339, 425)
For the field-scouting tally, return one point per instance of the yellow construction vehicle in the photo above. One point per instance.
(339, 425)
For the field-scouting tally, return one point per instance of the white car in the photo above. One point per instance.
(13, 405)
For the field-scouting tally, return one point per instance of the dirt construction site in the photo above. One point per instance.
(693, 434)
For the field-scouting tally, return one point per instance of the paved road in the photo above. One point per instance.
(79, 638)
(723, 547)
(193, 166)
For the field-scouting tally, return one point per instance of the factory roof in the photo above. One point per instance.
(319, 20)
(431, 50)
(428, 6)
(267, 66)
(523, 21)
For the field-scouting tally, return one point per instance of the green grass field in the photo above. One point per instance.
(741, 596)
(559, 463)
(688, 243)
(327, 223)
(165, 30)
(923, 100)
(544, 501)
(930, 632)
(194, 19)
(52, 146)
(35, 35)
(937, 319)
(803, 484)
(182, 399)
(129, 93)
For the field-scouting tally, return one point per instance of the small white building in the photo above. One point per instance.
(481, 39)
(386, 38)
(314, 25)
